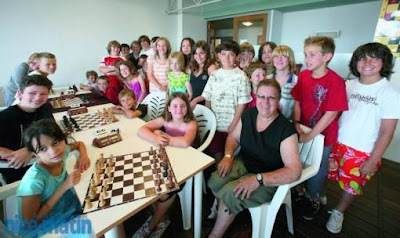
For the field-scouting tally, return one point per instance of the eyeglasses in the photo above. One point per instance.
(259, 96)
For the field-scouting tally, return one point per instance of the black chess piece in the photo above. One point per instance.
(74, 88)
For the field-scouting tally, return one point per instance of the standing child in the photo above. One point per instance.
(125, 50)
(319, 95)
(23, 69)
(265, 53)
(246, 55)
(178, 80)
(91, 84)
(32, 94)
(158, 66)
(47, 64)
(256, 72)
(201, 66)
(284, 67)
(46, 190)
(180, 131)
(134, 55)
(129, 107)
(187, 44)
(366, 129)
(132, 79)
(227, 92)
(107, 65)
(145, 44)
(105, 89)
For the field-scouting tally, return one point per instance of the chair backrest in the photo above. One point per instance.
(155, 105)
(206, 125)
(310, 155)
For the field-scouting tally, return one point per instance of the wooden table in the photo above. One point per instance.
(187, 163)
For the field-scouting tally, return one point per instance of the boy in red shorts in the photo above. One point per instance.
(366, 129)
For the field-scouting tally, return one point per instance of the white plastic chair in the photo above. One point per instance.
(155, 105)
(263, 217)
(206, 126)
(7, 193)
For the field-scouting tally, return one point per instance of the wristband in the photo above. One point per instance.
(228, 155)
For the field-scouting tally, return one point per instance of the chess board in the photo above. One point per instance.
(66, 102)
(132, 177)
(83, 122)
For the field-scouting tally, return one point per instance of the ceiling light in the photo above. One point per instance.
(247, 23)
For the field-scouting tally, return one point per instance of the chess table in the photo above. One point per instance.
(186, 163)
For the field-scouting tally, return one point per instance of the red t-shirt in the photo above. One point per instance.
(114, 82)
(316, 96)
(111, 94)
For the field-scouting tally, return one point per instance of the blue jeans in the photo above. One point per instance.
(315, 185)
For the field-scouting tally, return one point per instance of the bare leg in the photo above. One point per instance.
(345, 200)
(224, 219)
(161, 210)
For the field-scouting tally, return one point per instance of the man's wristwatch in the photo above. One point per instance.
(259, 178)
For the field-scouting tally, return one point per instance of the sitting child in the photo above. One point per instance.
(178, 80)
(180, 131)
(105, 90)
(45, 190)
(91, 77)
(129, 107)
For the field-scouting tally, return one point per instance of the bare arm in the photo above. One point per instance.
(296, 117)
(292, 164)
(31, 204)
(142, 88)
(289, 173)
(387, 128)
(208, 103)
(323, 123)
(236, 118)
(131, 113)
(189, 90)
(150, 132)
(151, 77)
(232, 142)
(16, 159)
(83, 162)
(187, 139)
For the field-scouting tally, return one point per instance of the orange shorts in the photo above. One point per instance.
(344, 165)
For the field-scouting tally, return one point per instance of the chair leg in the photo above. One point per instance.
(204, 186)
(256, 221)
(289, 214)
(186, 204)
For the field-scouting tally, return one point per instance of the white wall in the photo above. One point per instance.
(355, 22)
(76, 31)
(393, 152)
(194, 25)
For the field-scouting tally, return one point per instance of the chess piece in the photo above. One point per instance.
(158, 189)
(97, 179)
(105, 193)
(102, 201)
(93, 193)
(88, 203)
(106, 186)
(93, 185)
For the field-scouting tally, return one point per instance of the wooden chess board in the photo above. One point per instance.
(129, 177)
(68, 101)
(87, 121)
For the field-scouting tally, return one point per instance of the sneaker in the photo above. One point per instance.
(311, 210)
(298, 196)
(335, 221)
(144, 230)
(323, 200)
(214, 210)
(160, 228)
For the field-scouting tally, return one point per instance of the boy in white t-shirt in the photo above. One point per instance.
(366, 129)
(226, 93)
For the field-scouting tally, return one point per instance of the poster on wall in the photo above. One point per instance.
(388, 28)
